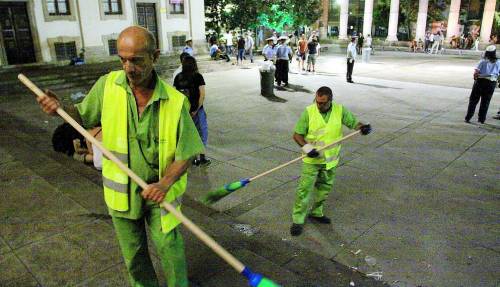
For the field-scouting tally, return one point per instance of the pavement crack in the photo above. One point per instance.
(459, 156)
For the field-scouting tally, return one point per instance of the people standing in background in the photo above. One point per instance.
(228, 38)
(369, 44)
(351, 56)
(435, 42)
(485, 81)
(312, 48)
(189, 47)
(302, 51)
(269, 51)
(241, 50)
(283, 56)
(191, 83)
(249, 43)
(360, 43)
(275, 38)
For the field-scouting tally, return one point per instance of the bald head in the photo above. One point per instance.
(137, 52)
(139, 38)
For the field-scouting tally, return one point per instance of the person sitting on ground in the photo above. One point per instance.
(413, 46)
(67, 140)
(80, 60)
(217, 54)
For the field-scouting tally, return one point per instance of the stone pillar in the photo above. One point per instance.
(323, 21)
(392, 35)
(344, 17)
(453, 19)
(487, 23)
(422, 19)
(368, 18)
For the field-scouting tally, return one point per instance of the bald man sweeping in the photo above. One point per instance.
(145, 123)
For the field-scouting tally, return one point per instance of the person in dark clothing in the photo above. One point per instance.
(312, 48)
(191, 83)
(241, 50)
(486, 76)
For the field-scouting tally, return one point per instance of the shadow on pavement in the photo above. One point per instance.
(276, 98)
(378, 86)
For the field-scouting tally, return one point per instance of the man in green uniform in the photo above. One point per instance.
(319, 125)
(146, 123)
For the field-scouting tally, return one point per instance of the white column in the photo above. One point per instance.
(453, 19)
(487, 23)
(344, 17)
(367, 18)
(421, 19)
(392, 35)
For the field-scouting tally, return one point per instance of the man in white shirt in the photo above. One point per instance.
(283, 56)
(189, 47)
(229, 42)
(351, 56)
(249, 45)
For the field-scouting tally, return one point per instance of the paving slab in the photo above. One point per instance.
(31, 209)
(70, 257)
(13, 272)
(4, 248)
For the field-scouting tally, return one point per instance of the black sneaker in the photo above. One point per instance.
(322, 220)
(296, 229)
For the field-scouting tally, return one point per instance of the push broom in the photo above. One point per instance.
(254, 279)
(216, 195)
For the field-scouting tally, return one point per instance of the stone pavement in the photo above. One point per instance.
(420, 194)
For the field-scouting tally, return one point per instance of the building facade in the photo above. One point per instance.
(57, 30)
(348, 17)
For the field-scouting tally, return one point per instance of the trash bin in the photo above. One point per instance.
(267, 80)
(366, 54)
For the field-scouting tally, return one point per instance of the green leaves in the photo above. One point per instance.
(248, 14)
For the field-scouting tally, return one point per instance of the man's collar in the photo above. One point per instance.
(159, 93)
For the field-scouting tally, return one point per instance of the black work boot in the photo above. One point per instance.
(296, 229)
(323, 219)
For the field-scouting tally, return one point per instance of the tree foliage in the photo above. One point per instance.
(248, 14)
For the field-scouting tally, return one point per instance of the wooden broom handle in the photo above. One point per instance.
(303, 156)
(205, 238)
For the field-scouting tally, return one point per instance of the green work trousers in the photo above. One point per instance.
(314, 177)
(134, 245)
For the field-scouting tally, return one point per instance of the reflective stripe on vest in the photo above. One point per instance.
(115, 138)
(321, 134)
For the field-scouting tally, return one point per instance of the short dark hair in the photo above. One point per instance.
(325, 91)
(62, 139)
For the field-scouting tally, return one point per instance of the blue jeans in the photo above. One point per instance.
(200, 121)
(241, 52)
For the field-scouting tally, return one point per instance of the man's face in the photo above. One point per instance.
(137, 62)
(323, 103)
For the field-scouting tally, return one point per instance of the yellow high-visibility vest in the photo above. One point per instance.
(321, 133)
(115, 139)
